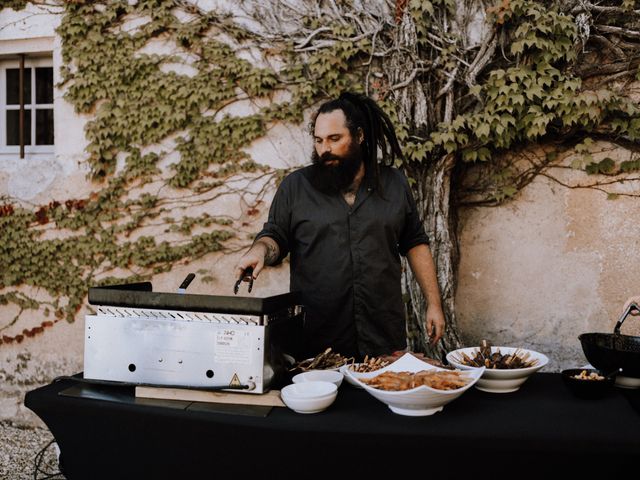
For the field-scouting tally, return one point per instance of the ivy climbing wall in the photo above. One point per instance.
(172, 113)
(186, 131)
(161, 147)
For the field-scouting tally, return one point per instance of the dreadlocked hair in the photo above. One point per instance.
(361, 112)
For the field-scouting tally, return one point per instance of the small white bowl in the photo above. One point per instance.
(319, 376)
(627, 382)
(309, 397)
(498, 380)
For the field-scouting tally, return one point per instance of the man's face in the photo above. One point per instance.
(337, 156)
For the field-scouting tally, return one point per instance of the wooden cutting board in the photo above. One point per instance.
(270, 399)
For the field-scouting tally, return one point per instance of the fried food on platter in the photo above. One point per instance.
(391, 381)
(370, 364)
(398, 381)
(323, 361)
(420, 356)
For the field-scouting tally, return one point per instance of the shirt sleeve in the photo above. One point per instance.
(278, 223)
(413, 232)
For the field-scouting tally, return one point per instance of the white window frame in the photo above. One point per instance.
(14, 150)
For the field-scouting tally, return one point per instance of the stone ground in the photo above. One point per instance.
(21, 453)
(23, 435)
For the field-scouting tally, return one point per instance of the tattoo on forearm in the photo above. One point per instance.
(271, 255)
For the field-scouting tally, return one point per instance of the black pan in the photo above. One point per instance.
(611, 351)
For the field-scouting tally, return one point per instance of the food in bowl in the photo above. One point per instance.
(420, 356)
(587, 382)
(419, 401)
(369, 364)
(485, 357)
(583, 375)
(500, 380)
(399, 381)
(326, 360)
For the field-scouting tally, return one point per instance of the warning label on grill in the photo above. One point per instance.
(233, 346)
(235, 381)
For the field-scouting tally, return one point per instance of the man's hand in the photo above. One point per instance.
(264, 251)
(435, 323)
(253, 258)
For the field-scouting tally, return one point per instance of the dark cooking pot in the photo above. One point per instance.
(611, 351)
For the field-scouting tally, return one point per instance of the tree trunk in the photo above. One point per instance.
(432, 193)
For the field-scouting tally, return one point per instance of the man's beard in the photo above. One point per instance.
(336, 178)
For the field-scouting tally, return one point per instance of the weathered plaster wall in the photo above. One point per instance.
(552, 264)
(31, 22)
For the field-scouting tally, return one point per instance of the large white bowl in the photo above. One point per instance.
(419, 401)
(309, 397)
(351, 379)
(495, 380)
(319, 376)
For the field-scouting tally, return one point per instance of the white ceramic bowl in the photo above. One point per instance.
(319, 376)
(627, 382)
(418, 401)
(309, 397)
(496, 380)
(349, 378)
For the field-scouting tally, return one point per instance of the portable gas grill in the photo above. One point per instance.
(142, 337)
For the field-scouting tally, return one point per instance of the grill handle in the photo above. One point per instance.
(624, 315)
(185, 283)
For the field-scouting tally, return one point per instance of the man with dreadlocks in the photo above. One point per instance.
(345, 220)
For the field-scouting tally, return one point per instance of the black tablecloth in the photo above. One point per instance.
(534, 431)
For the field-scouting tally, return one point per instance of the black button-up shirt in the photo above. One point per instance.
(345, 260)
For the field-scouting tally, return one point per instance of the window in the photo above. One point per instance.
(37, 90)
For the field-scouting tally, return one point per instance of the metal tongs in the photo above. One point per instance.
(248, 272)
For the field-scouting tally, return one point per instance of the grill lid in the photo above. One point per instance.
(140, 295)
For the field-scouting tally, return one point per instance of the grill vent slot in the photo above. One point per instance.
(181, 316)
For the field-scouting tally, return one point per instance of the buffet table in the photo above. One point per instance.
(107, 432)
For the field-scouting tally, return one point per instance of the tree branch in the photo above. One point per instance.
(618, 30)
(585, 6)
(311, 35)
